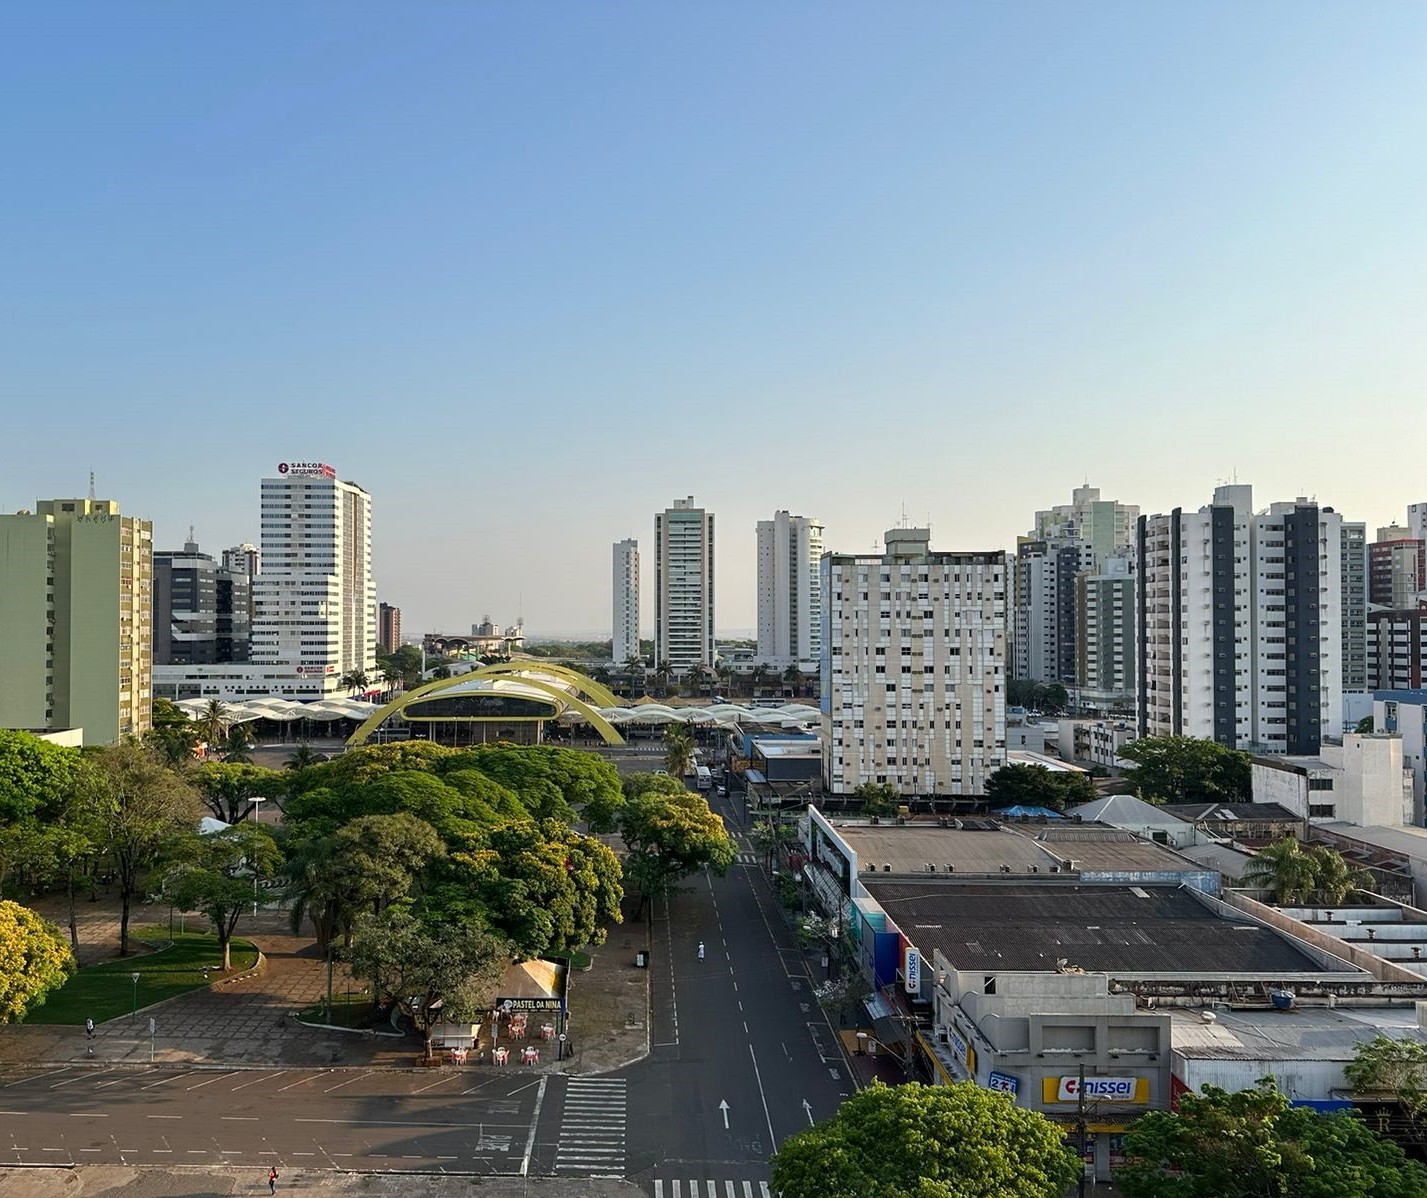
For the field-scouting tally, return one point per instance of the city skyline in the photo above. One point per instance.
(528, 273)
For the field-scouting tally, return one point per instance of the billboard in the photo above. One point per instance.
(1097, 1089)
(912, 972)
(1006, 1083)
(306, 470)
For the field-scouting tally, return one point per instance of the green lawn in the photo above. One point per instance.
(106, 990)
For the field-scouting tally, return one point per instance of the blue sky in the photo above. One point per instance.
(529, 272)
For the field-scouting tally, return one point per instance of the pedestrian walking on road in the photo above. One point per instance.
(701, 950)
(272, 1180)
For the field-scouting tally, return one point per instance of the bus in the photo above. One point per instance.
(705, 778)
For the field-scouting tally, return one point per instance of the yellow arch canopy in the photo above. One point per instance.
(554, 682)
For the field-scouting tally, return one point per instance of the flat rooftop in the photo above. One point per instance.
(1123, 930)
(1107, 849)
(1311, 1033)
(909, 848)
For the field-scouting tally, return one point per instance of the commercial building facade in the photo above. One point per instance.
(684, 586)
(913, 668)
(1397, 569)
(790, 551)
(625, 590)
(388, 627)
(201, 609)
(76, 620)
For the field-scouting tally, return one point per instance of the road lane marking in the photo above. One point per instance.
(240, 1118)
(163, 1116)
(534, 1123)
(87, 1115)
(772, 1135)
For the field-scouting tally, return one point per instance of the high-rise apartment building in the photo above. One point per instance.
(1044, 620)
(1241, 635)
(790, 551)
(913, 668)
(1397, 568)
(1397, 649)
(625, 602)
(1106, 643)
(684, 586)
(1355, 606)
(201, 609)
(316, 604)
(76, 632)
(243, 559)
(1106, 525)
(388, 627)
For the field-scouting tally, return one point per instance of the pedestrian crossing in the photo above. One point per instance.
(711, 1189)
(748, 858)
(592, 1127)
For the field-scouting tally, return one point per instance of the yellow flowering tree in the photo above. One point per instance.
(34, 959)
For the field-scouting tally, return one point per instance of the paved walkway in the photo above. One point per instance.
(248, 1020)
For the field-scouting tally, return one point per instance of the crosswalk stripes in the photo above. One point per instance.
(711, 1189)
(748, 858)
(592, 1127)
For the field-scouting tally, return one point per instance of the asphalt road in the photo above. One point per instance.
(739, 1027)
(469, 1121)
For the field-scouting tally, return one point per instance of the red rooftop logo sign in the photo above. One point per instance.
(307, 469)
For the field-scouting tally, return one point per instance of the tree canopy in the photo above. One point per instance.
(1297, 875)
(1186, 769)
(1037, 786)
(218, 874)
(915, 1141)
(1253, 1143)
(669, 835)
(34, 960)
(35, 775)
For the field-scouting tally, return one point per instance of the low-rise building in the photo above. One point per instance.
(1096, 742)
(1360, 781)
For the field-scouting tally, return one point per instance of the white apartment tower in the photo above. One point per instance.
(789, 589)
(684, 586)
(626, 601)
(1044, 618)
(1241, 624)
(1105, 648)
(913, 668)
(315, 600)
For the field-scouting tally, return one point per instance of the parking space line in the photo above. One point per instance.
(440, 1081)
(34, 1077)
(79, 1078)
(303, 1081)
(216, 1078)
(165, 1081)
(358, 1077)
(256, 1080)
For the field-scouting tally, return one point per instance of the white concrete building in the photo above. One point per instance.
(625, 593)
(1044, 620)
(315, 602)
(1106, 524)
(243, 559)
(684, 586)
(1355, 606)
(1241, 637)
(790, 551)
(913, 668)
(1106, 641)
(1362, 781)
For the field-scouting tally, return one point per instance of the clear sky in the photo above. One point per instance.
(528, 272)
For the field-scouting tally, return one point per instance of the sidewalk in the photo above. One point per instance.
(247, 1019)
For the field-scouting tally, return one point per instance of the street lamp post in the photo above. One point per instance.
(134, 1012)
(255, 801)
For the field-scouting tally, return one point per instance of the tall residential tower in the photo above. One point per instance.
(789, 591)
(625, 601)
(684, 586)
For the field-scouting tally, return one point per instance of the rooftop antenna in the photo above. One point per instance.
(91, 486)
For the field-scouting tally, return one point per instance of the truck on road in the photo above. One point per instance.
(703, 777)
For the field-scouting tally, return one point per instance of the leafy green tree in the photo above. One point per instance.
(212, 726)
(916, 1141)
(1186, 769)
(141, 808)
(430, 971)
(877, 798)
(354, 681)
(238, 744)
(551, 782)
(678, 748)
(34, 960)
(1054, 698)
(1364, 725)
(1252, 1144)
(173, 735)
(1392, 1067)
(378, 860)
(35, 776)
(228, 788)
(303, 756)
(218, 874)
(669, 836)
(1036, 786)
(548, 889)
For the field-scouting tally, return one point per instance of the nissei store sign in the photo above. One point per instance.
(306, 470)
(912, 971)
(1097, 1089)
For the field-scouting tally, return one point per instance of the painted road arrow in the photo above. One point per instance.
(808, 1111)
(723, 1106)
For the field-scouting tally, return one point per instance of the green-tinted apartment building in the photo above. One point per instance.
(76, 622)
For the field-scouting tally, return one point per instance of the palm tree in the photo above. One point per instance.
(662, 673)
(678, 749)
(792, 677)
(1285, 870)
(303, 756)
(238, 744)
(212, 724)
(760, 674)
(354, 681)
(1334, 879)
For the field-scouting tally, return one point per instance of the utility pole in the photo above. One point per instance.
(1080, 1124)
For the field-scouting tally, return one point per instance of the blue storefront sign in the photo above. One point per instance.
(1004, 1082)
